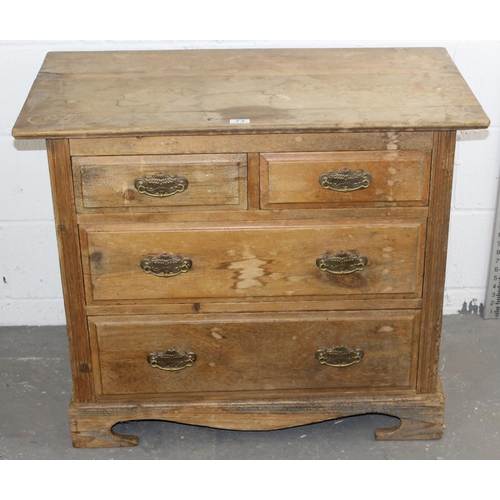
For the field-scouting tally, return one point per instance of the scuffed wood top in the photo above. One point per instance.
(129, 93)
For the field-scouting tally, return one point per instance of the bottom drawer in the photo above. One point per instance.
(253, 352)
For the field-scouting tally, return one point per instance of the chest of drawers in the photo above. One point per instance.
(252, 239)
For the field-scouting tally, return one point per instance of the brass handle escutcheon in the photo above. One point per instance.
(341, 263)
(345, 180)
(161, 185)
(166, 265)
(339, 356)
(171, 360)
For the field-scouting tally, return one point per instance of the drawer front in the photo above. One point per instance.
(157, 355)
(370, 178)
(345, 258)
(160, 183)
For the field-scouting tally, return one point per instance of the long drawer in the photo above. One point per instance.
(175, 354)
(348, 258)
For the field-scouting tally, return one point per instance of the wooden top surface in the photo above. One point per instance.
(129, 93)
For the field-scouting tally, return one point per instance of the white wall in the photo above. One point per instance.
(30, 290)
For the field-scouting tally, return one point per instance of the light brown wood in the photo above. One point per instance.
(436, 251)
(292, 179)
(254, 305)
(106, 183)
(71, 268)
(255, 143)
(421, 415)
(255, 352)
(255, 216)
(154, 92)
(253, 182)
(271, 260)
(249, 304)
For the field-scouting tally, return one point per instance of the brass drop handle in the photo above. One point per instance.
(166, 265)
(171, 360)
(339, 356)
(345, 180)
(161, 185)
(341, 262)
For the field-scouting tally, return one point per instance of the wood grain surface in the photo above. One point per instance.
(106, 183)
(82, 94)
(436, 251)
(246, 260)
(259, 352)
(292, 179)
(253, 143)
(421, 415)
(71, 268)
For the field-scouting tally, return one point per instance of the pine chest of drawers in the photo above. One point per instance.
(252, 239)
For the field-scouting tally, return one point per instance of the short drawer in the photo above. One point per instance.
(343, 258)
(183, 354)
(158, 183)
(363, 178)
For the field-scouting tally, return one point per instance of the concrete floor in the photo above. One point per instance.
(35, 389)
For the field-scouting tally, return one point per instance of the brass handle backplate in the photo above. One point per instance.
(166, 265)
(161, 185)
(171, 360)
(339, 356)
(345, 180)
(341, 263)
